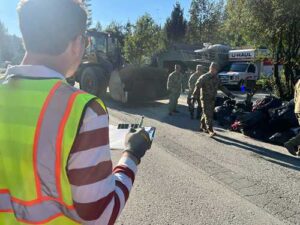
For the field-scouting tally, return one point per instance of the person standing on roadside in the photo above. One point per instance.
(174, 89)
(192, 101)
(55, 161)
(206, 89)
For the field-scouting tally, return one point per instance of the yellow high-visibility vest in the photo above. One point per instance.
(39, 120)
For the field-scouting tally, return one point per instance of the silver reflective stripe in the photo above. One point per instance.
(5, 202)
(36, 213)
(46, 149)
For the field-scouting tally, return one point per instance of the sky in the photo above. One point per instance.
(105, 11)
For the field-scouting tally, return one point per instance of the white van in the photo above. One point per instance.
(244, 65)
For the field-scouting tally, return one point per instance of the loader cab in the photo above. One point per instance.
(97, 46)
(103, 46)
(102, 56)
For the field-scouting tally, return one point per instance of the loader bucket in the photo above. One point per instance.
(138, 84)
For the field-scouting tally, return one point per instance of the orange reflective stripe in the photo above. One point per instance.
(6, 211)
(60, 139)
(4, 191)
(37, 136)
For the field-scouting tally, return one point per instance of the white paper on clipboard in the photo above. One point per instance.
(117, 136)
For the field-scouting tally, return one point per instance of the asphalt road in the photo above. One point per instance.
(188, 178)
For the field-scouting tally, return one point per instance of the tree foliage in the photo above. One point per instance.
(144, 41)
(176, 25)
(98, 26)
(274, 24)
(234, 24)
(11, 48)
(117, 30)
(206, 18)
(88, 5)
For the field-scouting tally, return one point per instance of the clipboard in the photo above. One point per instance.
(118, 133)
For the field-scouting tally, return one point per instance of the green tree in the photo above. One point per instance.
(128, 28)
(117, 30)
(88, 5)
(98, 26)
(144, 41)
(234, 23)
(3, 40)
(176, 25)
(11, 47)
(206, 18)
(274, 24)
(281, 28)
(193, 34)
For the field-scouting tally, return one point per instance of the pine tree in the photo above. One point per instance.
(98, 26)
(88, 5)
(206, 17)
(144, 41)
(176, 25)
(193, 32)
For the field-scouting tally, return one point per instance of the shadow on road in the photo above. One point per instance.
(157, 111)
(272, 156)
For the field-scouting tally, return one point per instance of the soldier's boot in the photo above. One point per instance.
(292, 149)
(204, 130)
(211, 132)
(203, 126)
(292, 145)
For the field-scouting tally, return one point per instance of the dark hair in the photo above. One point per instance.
(48, 26)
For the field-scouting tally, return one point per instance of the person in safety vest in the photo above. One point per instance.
(55, 163)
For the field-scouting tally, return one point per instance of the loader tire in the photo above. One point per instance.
(93, 81)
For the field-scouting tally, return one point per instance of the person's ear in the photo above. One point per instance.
(77, 46)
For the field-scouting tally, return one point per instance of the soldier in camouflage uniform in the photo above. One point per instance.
(174, 89)
(292, 144)
(206, 87)
(192, 101)
(184, 81)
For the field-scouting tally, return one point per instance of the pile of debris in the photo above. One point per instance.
(268, 119)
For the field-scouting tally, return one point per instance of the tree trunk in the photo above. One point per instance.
(276, 68)
(288, 70)
(277, 79)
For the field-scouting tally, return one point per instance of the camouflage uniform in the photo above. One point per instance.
(295, 142)
(191, 101)
(174, 88)
(208, 86)
(184, 81)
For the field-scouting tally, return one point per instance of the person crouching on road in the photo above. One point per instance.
(206, 87)
(55, 157)
(192, 101)
(174, 89)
